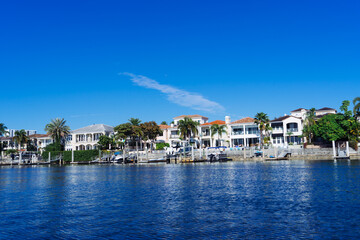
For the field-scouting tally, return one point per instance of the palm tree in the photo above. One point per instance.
(2, 133)
(20, 137)
(290, 134)
(356, 109)
(135, 121)
(2, 129)
(136, 130)
(188, 128)
(58, 129)
(219, 129)
(309, 123)
(263, 122)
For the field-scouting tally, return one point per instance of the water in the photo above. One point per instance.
(282, 200)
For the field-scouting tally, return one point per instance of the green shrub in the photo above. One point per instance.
(56, 146)
(79, 156)
(10, 151)
(161, 146)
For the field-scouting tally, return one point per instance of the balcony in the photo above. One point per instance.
(237, 133)
(292, 129)
(174, 136)
(278, 130)
(257, 133)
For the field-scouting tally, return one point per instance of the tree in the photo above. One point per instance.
(136, 130)
(187, 128)
(219, 129)
(58, 129)
(30, 146)
(2, 133)
(309, 124)
(123, 131)
(342, 126)
(163, 123)
(289, 135)
(150, 131)
(53, 147)
(356, 109)
(106, 142)
(263, 122)
(135, 121)
(2, 129)
(345, 109)
(20, 137)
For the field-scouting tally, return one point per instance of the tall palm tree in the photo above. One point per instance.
(356, 109)
(20, 137)
(2, 129)
(309, 122)
(219, 129)
(58, 129)
(136, 130)
(187, 128)
(263, 122)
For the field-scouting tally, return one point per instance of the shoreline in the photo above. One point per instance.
(233, 159)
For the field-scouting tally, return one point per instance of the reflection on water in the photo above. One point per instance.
(298, 199)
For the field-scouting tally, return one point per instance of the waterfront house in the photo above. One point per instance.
(164, 136)
(40, 141)
(244, 132)
(86, 138)
(171, 133)
(324, 111)
(212, 141)
(286, 130)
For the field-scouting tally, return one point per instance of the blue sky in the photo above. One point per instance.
(106, 61)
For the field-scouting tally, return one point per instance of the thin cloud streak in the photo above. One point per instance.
(177, 96)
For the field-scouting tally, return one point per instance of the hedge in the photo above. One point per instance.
(79, 156)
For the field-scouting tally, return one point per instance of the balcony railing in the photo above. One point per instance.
(237, 133)
(292, 129)
(174, 136)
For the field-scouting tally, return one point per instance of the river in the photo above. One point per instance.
(251, 200)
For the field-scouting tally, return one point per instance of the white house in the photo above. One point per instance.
(211, 141)
(172, 133)
(325, 111)
(41, 140)
(86, 138)
(286, 130)
(302, 112)
(244, 132)
(164, 137)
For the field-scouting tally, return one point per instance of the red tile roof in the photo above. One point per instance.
(190, 116)
(218, 122)
(244, 120)
(164, 126)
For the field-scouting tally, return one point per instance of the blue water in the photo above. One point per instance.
(279, 200)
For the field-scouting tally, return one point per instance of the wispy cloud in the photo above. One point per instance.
(183, 98)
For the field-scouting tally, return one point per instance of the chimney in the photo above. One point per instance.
(227, 119)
